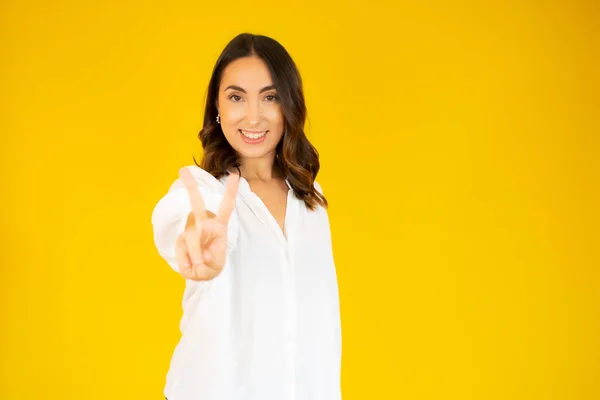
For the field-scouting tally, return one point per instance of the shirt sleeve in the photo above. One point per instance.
(169, 216)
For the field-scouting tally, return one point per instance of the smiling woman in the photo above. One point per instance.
(255, 96)
(261, 309)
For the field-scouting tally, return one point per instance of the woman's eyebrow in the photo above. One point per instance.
(239, 89)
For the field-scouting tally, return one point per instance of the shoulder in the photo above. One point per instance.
(318, 187)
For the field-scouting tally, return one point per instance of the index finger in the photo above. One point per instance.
(228, 202)
(196, 200)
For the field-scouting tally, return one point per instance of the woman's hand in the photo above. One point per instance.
(201, 249)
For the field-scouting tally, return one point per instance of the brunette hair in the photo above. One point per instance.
(295, 156)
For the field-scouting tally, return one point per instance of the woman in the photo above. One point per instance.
(248, 230)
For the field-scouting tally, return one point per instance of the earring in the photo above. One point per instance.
(218, 118)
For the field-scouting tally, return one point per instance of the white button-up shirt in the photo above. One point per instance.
(268, 327)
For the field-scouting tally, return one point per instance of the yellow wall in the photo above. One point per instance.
(459, 154)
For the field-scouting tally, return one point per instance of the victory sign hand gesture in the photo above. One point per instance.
(201, 249)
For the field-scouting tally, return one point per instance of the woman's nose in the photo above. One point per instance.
(253, 113)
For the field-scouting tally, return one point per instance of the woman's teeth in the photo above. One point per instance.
(251, 135)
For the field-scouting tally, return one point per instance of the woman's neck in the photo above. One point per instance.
(260, 169)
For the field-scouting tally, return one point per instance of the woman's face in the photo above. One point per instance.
(251, 115)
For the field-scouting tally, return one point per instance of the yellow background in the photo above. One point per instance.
(459, 147)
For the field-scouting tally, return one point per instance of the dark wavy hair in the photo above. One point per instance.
(295, 156)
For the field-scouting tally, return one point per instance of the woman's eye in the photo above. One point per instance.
(271, 97)
(235, 98)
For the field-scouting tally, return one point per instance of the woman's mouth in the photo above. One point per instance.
(253, 137)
